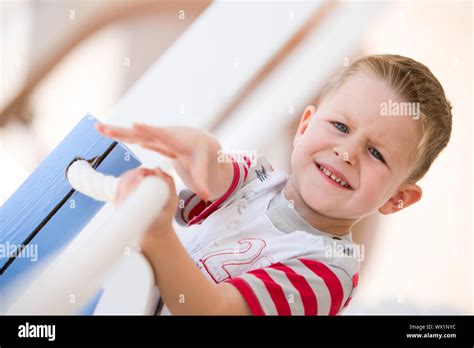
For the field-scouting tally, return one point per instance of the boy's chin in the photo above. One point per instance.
(332, 209)
(326, 208)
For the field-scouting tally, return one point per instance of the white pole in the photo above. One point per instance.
(70, 282)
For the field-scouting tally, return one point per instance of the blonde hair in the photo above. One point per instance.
(414, 83)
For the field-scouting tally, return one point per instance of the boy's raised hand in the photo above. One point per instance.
(193, 151)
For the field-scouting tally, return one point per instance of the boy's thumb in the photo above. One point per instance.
(165, 176)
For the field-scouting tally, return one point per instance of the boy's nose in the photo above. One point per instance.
(346, 156)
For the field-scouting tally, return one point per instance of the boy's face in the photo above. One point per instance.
(369, 151)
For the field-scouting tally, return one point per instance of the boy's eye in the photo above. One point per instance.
(376, 154)
(341, 126)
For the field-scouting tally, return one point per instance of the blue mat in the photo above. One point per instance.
(45, 213)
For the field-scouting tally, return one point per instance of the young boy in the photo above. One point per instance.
(272, 243)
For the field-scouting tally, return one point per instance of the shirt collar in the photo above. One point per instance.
(286, 219)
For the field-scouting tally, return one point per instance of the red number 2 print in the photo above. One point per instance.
(227, 263)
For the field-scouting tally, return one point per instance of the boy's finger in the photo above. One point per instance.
(127, 135)
(161, 173)
(135, 136)
(153, 138)
(129, 181)
(165, 137)
(165, 176)
(114, 132)
(146, 171)
(155, 147)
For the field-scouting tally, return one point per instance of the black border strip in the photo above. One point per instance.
(133, 331)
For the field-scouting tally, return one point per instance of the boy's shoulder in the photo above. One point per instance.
(344, 254)
(336, 252)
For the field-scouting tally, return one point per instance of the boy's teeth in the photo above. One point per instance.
(333, 177)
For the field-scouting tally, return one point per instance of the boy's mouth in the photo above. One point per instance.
(334, 176)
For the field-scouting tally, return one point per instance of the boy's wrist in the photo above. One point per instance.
(220, 182)
(152, 238)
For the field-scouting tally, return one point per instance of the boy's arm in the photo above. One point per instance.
(196, 154)
(210, 175)
(193, 210)
(221, 173)
(184, 289)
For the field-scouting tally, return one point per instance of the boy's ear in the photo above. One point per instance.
(407, 195)
(304, 121)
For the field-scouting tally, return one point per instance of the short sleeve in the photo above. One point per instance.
(193, 210)
(296, 287)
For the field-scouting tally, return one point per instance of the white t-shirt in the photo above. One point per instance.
(277, 271)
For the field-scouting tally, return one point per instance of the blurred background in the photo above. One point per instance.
(61, 59)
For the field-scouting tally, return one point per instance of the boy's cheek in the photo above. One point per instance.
(316, 141)
(374, 195)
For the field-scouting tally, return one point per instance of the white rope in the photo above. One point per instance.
(81, 267)
(85, 179)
